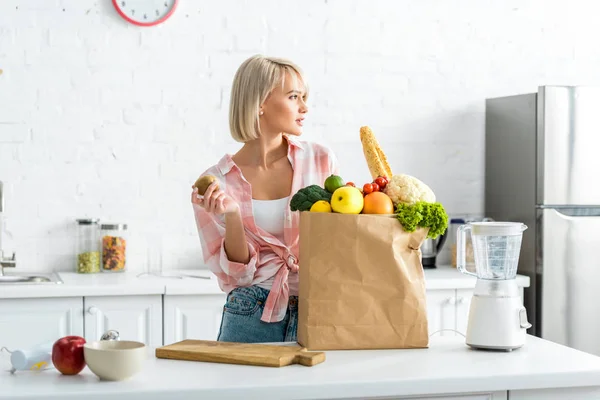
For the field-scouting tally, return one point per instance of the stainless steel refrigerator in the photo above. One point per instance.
(542, 167)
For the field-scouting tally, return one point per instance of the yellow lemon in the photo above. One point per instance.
(321, 206)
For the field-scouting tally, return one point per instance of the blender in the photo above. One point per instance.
(497, 318)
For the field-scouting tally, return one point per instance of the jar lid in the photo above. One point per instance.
(88, 221)
(118, 227)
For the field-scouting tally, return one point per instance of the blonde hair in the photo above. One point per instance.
(252, 84)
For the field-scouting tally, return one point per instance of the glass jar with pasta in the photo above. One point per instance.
(114, 247)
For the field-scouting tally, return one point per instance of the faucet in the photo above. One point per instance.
(5, 262)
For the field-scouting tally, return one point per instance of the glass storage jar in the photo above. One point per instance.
(88, 246)
(114, 247)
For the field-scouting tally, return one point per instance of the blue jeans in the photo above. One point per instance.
(241, 318)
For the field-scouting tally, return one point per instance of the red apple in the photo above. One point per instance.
(67, 355)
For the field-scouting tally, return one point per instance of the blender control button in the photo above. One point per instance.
(523, 319)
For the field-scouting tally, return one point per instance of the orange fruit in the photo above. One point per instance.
(378, 203)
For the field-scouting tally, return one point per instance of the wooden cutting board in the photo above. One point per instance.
(240, 353)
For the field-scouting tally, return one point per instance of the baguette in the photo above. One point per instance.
(376, 159)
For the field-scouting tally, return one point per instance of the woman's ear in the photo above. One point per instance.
(262, 107)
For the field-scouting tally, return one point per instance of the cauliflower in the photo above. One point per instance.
(406, 189)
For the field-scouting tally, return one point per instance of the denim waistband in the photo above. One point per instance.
(260, 294)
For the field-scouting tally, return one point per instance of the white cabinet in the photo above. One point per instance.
(136, 318)
(465, 396)
(448, 311)
(441, 311)
(463, 303)
(27, 322)
(158, 319)
(575, 393)
(477, 396)
(192, 317)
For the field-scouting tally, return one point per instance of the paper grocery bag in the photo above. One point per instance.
(361, 283)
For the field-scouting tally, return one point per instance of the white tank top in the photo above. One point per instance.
(269, 215)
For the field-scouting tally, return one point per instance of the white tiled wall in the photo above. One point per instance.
(100, 118)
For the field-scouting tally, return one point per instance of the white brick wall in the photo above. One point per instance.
(100, 118)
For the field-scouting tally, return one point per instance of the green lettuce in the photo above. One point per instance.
(425, 215)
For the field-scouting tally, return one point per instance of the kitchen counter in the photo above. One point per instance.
(128, 283)
(539, 369)
(117, 284)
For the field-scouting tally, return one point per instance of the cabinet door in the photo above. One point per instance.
(193, 317)
(137, 318)
(461, 396)
(27, 322)
(463, 303)
(575, 393)
(441, 311)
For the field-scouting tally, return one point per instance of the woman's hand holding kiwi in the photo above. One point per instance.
(204, 182)
(213, 199)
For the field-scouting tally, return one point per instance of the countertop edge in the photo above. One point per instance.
(441, 278)
(583, 371)
(367, 388)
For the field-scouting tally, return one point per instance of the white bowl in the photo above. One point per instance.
(115, 360)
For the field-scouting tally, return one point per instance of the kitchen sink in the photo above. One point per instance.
(30, 279)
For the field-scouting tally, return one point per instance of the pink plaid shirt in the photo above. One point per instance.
(269, 257)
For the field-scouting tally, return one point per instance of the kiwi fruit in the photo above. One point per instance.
(203, 183)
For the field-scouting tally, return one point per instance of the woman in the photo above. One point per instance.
(248, 234)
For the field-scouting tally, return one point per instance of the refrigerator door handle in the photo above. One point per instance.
(574, 211)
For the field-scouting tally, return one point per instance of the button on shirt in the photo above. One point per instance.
(270, 257)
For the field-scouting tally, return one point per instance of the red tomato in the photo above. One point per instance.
(381, 182)
(375, 187)
(350, 184)
(367, 188)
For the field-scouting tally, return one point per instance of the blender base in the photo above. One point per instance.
(493, 348)
(496, 323)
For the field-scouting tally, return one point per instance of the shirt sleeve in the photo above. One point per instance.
(334, 166)
(211, 231)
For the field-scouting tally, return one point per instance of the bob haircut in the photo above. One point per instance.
(254, 80)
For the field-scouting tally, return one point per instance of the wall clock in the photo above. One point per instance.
(145, 12)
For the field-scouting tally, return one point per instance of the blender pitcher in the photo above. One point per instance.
(497, 319)
(496, 247)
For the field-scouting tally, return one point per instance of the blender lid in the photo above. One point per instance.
(497, 228)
